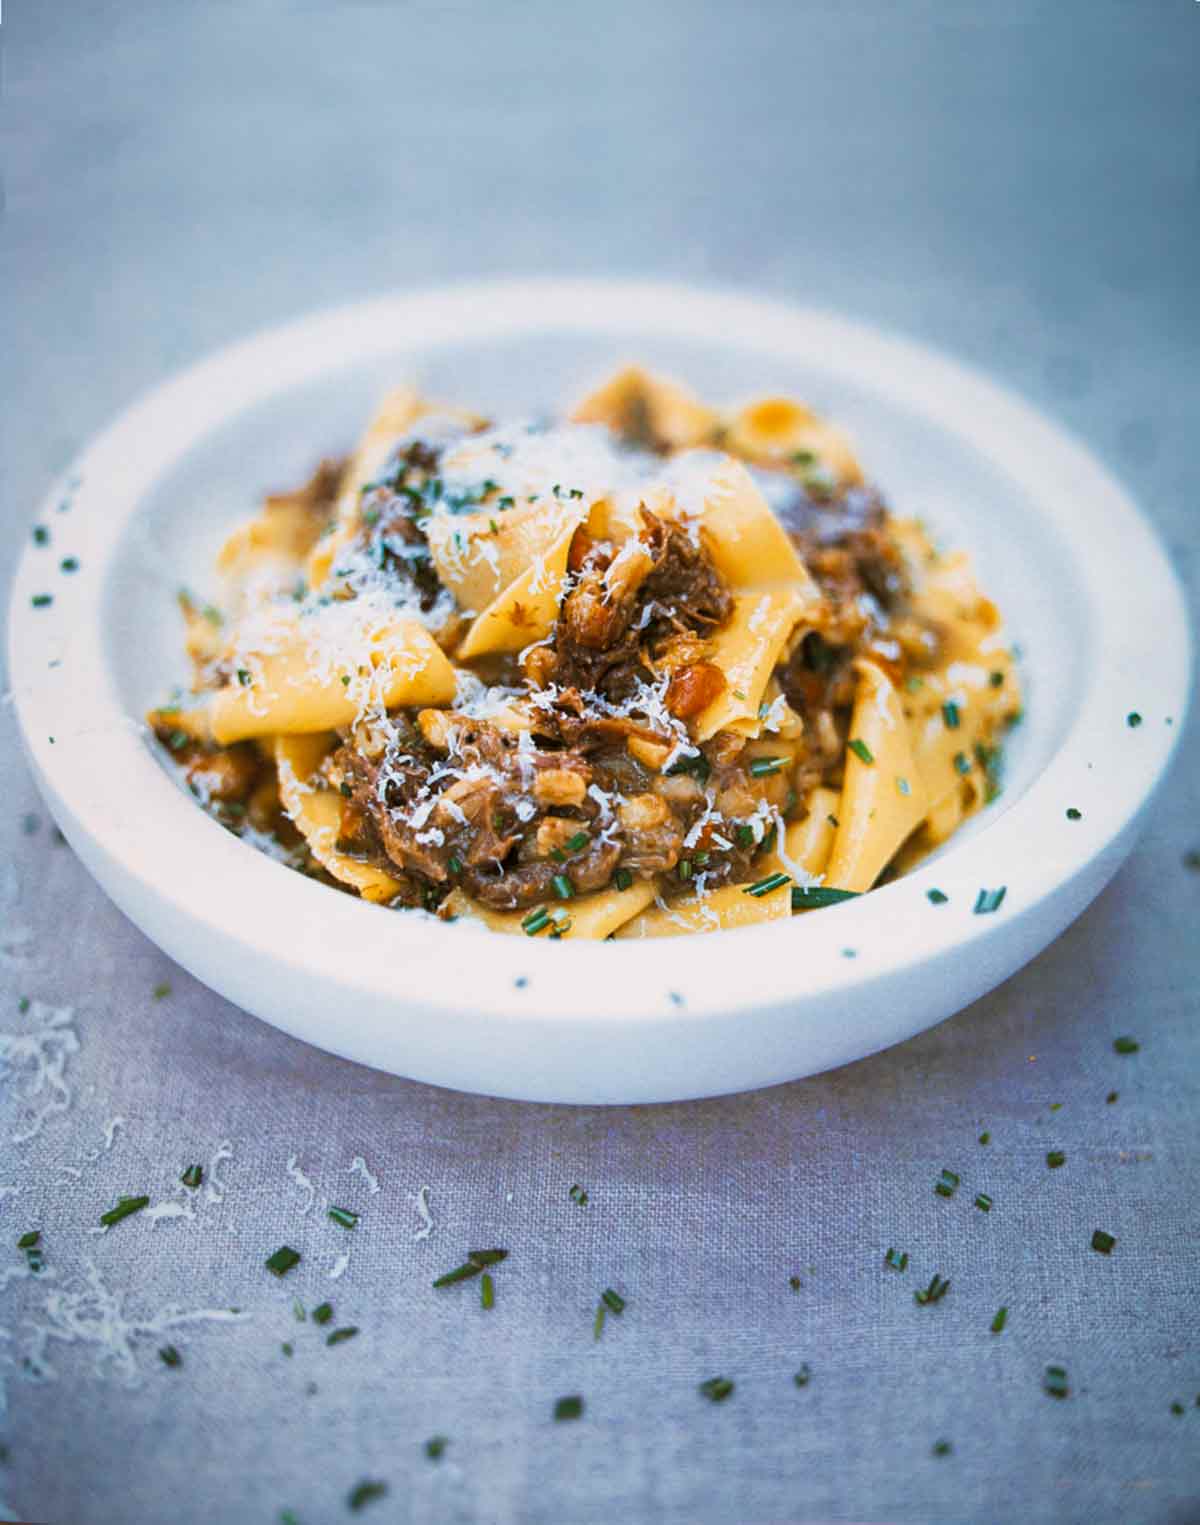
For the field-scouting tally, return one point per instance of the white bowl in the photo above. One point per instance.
(1086, 589)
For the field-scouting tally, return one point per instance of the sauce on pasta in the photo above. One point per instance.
(651, 669)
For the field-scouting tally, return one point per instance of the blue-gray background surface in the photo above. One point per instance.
(1018, 182)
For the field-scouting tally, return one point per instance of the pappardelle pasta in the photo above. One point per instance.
(648, 670)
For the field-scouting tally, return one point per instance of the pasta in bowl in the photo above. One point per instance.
(649, 669)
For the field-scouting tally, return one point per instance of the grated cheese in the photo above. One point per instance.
(38, 1060)
(422, 1204)
(358, 1166)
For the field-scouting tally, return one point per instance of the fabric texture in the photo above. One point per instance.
(1016, 184)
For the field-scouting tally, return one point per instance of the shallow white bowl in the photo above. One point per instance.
(1086, 589)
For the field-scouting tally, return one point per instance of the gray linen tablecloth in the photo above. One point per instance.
(1016, 182)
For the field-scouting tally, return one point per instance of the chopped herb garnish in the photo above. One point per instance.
(833, 821)
(1056, 1158)
(613, 1300)
(914, 684)
(1133, 720)
(962, 763)
(435, 1446)
(1103, 1242)
(161, 992)
(578, 1195)
(169, 1356)
(985, 1138)
(42, 600)
(570, 1407)
(298, 1312)
(69, 564)
(29, 1241)
(598, 1321)
(288, 1349)
(454, 864)
(459, 1273)
(999, 1321)
(766, 886)
(936, 897)
(41, 535)
(282, 1261)
(897, 1260)
(1073, 814)
(487, 1291)
(345, 680)
(126, 1207)
(1055, 1382)
(193, 1176)
(365, 1493)
(952, 715)
(812, 897)
(578, 842)
(716, 1389)
(861, 750)
(684, 868)
(803, 1376)
(486, 1257)
(322, 1313)
(535, 921)
(1126, 1045)
(983, 1202)
(996, 679)
(339, 1336)
(1111, 1097)
(622, 878)
(942, 1448)
(244, 677)
(1177, 1407)
(698, 766)
(563, 887)
(947, 1185)
(343, 1217)
(744, 836)
(989, 900)
(934, 1292)
(763, 767)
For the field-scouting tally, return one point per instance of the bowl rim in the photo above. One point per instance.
(119, 808)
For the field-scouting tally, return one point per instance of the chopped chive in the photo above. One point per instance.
(766, 886)
(1133, 720)
(795, 1283)
(903, 786)
(803, 1376)
(459, 1273)
(803, 458)
(763, 767)
(339, 1336)
(1073, 814)
(193, 1176)
(934, 1292)
(999, 1321)
(578, 1195)
(487, 1291)
(896, 1260)
(951, 714)
(1177, 1407)
(42, 600)
(1103, 1242)
(743, 836)
(282, 1261)
(1111, 1097)
(983, 1202)
(985, 1138)
(833, 821)
(622, 879)
(486, 1257)
(1126, 1045)
(962, 763)
(814, 896)
(996, 679)
(936, 897)
(69, 564)
(563, 887)
(29, 1241)
(570, 1407)
(343, 1217)
(716, 1389)
(125, 1207)
(454, 864)
(947, 1185)
(1054, 1383)
(535, 921)
(578, 842)
(1056, 1158)
(861, 750)
(613, 1300)
(288, 1349)
(989, 900)
(298, 1312)
(942, 1448)
(169, 1356)
(243, 677)
(161, 992)
(598, 1321)
(365, 1493)
(41, 535)
(684, 868)
(435, 1446)
(322, 1313)
(345, 680)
